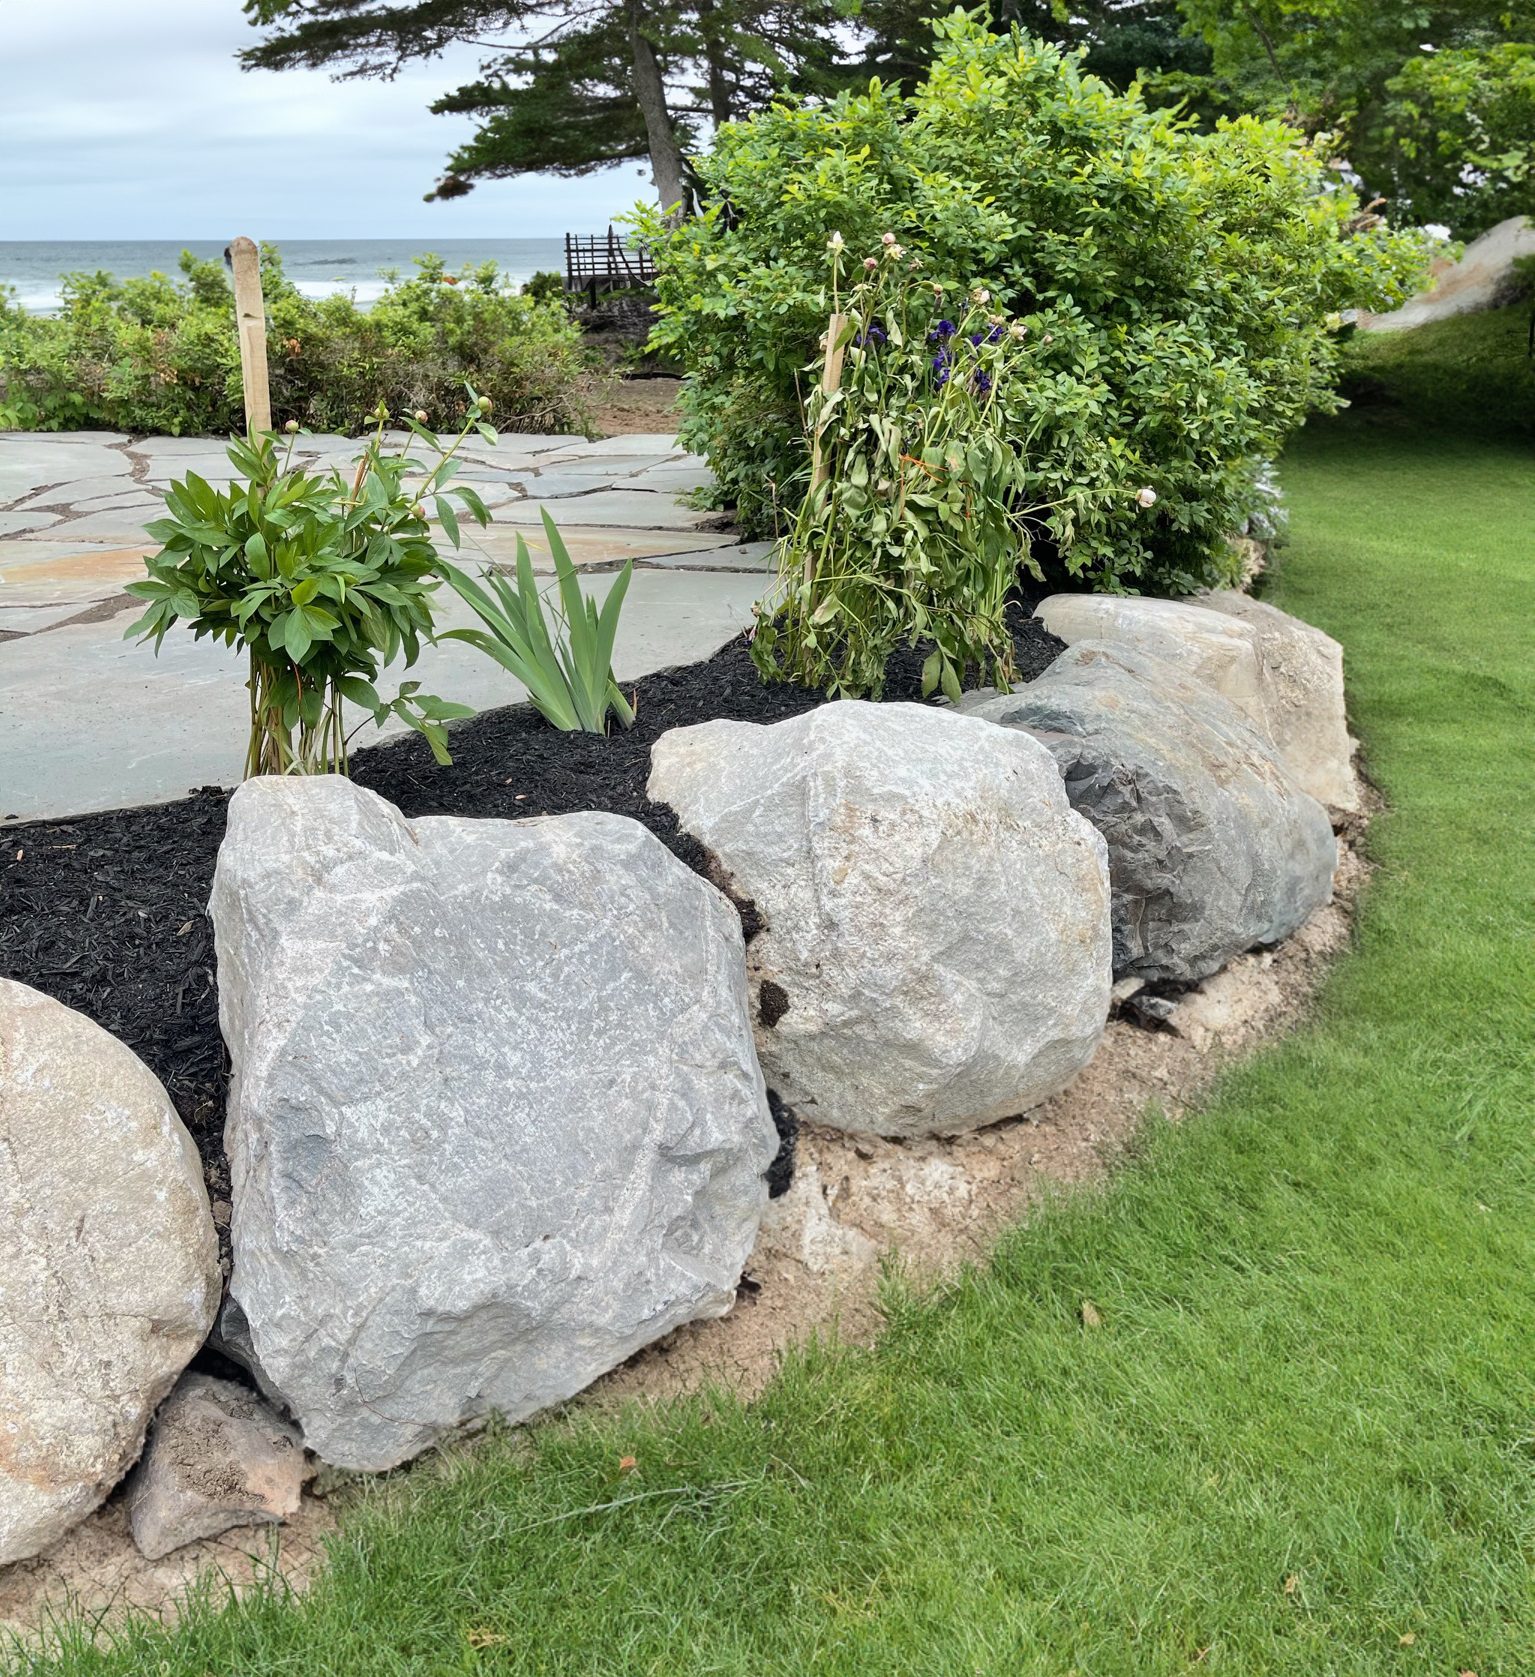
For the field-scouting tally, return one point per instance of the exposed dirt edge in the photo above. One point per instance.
(854, 1201)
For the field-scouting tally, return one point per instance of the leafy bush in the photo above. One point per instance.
(913, 527)
(1458, 133)
(546, 286)
(320, 579)
(566, 665)
(1177, 284)
(158, 355)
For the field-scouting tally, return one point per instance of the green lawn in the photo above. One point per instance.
(1302, 1439)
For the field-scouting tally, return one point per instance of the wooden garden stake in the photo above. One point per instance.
(250, 313)
(831, 381)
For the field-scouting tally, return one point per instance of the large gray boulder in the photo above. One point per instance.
(495, 1121)
(1213, 848)
(1210, 646)
(1284, 676)
(934, 951)
(109, 1274)
(1303, 699)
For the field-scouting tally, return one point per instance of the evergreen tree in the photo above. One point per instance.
(567, 86)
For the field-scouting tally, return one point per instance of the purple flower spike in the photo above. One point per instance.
(942, 332)
(983, 383)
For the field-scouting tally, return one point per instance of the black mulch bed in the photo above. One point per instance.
(107, 912)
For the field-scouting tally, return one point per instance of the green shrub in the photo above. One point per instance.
(546, 286)
(1178, 285)
(159, 355)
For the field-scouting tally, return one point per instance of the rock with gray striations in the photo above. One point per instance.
(1303, 700)
(496, 1121)
(1285, 676)
(109, 1273)
(1211, 646)
(1213, 848)
(934, 951)
(217, 1457)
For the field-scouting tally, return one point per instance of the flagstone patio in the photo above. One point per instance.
(90, 721)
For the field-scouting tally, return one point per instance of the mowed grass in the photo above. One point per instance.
(1301, 1438)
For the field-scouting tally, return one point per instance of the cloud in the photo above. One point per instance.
(121, 121)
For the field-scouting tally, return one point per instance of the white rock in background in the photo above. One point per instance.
(217, 1457)
(1302, 671)
(1484, 278)
(935, 953)
(1213, 848)
(496, 1121)
(109, 1274)
(1214, 647)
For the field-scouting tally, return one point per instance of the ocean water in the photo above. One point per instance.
(33, 268)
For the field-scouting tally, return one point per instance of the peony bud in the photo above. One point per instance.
(887, 238)
(834, 242)
(291, 427)
(1147, 497)
(485, 404)
(871, 263)
(418, 511)
(421, 416)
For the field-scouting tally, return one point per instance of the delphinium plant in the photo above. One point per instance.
(913, 526)
(319, 578)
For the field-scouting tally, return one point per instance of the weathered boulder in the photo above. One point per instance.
(1483, 278)
(1303, 700)
(1212, 846)
(934, 950)
(495, 1122)
(109, 1274)
(217, 1457)
(1212, 646)
(1285, 676)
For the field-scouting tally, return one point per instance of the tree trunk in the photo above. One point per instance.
(714, 59)
(650, 90)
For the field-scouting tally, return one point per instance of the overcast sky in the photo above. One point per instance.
(129, 119)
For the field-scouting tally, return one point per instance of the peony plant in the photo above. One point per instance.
(319, 579)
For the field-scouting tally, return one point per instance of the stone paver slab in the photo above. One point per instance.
(90, 721)
(79, 492)
(588, 548)
(125, 525)
(25, 523)
(628, 509)
(47, 573)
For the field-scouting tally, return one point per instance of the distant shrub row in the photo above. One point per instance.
(160, 355)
